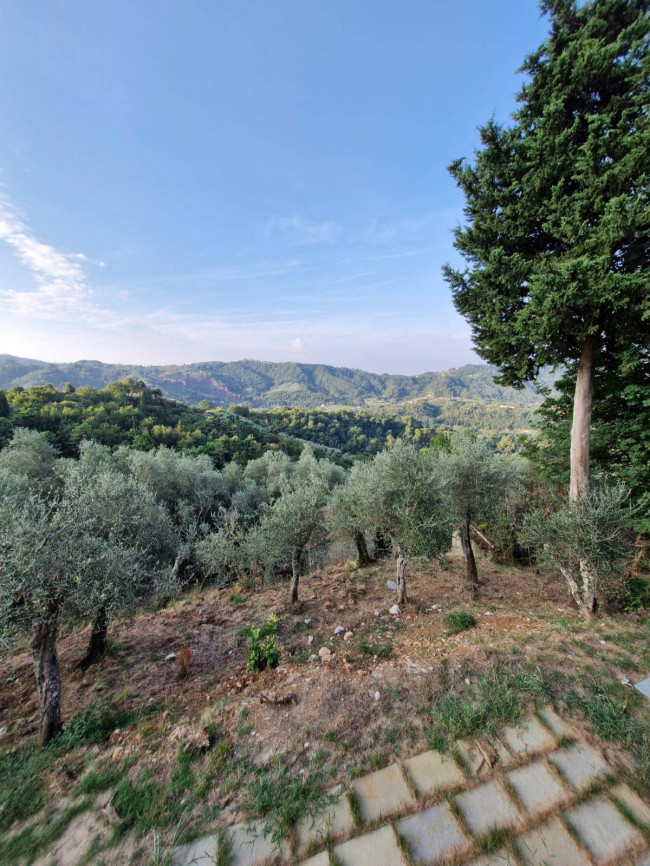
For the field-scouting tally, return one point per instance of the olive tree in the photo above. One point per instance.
(347, 509)
(405, 502)
(474, 482)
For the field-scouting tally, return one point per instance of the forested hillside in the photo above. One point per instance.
(264, 384)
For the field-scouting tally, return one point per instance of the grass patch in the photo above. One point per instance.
(459, 620)
(280, 799)
(379, 650)
(96, 781)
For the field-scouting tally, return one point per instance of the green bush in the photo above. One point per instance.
(637, 594)
(459, 620)
(263, 651)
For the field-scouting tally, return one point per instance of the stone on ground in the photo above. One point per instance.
(334, 822)
(431, 772)
(382, 793)
(379, 848)
(579, 765)
(434, 835)
(550, 844)
(528, 738)
(203, 852)
(603, 830)
(488, 807)
(537, 788)
(639, 810)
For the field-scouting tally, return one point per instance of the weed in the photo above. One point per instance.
(459, 620)
(380, 650)
(96, 781)
(331, 736)
(262, 649)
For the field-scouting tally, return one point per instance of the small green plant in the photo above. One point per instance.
(380, 650)
(263, 651)
(459, 620)
(637, 594)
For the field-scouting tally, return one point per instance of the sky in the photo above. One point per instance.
(197, 180)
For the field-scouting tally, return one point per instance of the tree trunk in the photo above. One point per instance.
(400, 580)
(472, 571)
(48, 679)
(363, 557)
(581, 425)
(381, 546)
(295, 578)
(98, 639)
(579, 481)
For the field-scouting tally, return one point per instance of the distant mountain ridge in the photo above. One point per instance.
(265, 384)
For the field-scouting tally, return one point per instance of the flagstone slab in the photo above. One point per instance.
(431, 772)
(202, 852)
(503, 857)
(474, 760)
(379, 848)
(322, 859)
(383, 793)
(551, 845)
(638, 808)
(603, 830)
(334, 822)
(556, 724)
(250, 847)
(434, 835)
(537, 788)
(488, 807)
(528, 738)
(579, 765)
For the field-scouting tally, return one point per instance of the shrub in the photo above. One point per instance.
(459, 620)
(263, 651)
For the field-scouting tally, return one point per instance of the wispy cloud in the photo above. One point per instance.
(302, 231)
(62, 288)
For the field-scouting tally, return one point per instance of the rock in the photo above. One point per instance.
(4, 731)
(325, 653)
(310, 639)
(339, 629)
(313, 658)
(170, 657)
(348, 635)
(390, 584)
(307, 622)
(395, 609)
(376, 612)
(117, 754)
(377, 695)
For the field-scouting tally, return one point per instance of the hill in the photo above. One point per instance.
(263, 384)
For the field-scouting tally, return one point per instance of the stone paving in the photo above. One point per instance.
(525, 797)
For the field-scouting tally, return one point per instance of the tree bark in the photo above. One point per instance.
(472, 571)
(400, 580)
(98, 639)
(48, 679)
(295, 578)
(363, 557)
(581, 425)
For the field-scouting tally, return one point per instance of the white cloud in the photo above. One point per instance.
(62, 289)
(304, 232)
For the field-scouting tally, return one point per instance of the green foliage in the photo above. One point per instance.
(587, 541)
(281, 799)
(263, 651)
(459, 620)
(637, 594)
(96, 781)
(378, 650)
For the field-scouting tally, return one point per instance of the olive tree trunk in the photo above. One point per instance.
(400, 580)
(48, 679)
(363, 557)
(472, 570)
(295, 577)
(583, 583)
(98, 639)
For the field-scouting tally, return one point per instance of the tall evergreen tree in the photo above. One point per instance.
(557, 240)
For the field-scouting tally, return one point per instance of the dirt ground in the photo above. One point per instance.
(358, 709)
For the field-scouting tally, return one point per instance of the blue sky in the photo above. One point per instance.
(218, 179)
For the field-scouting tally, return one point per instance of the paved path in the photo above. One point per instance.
(535, 795)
